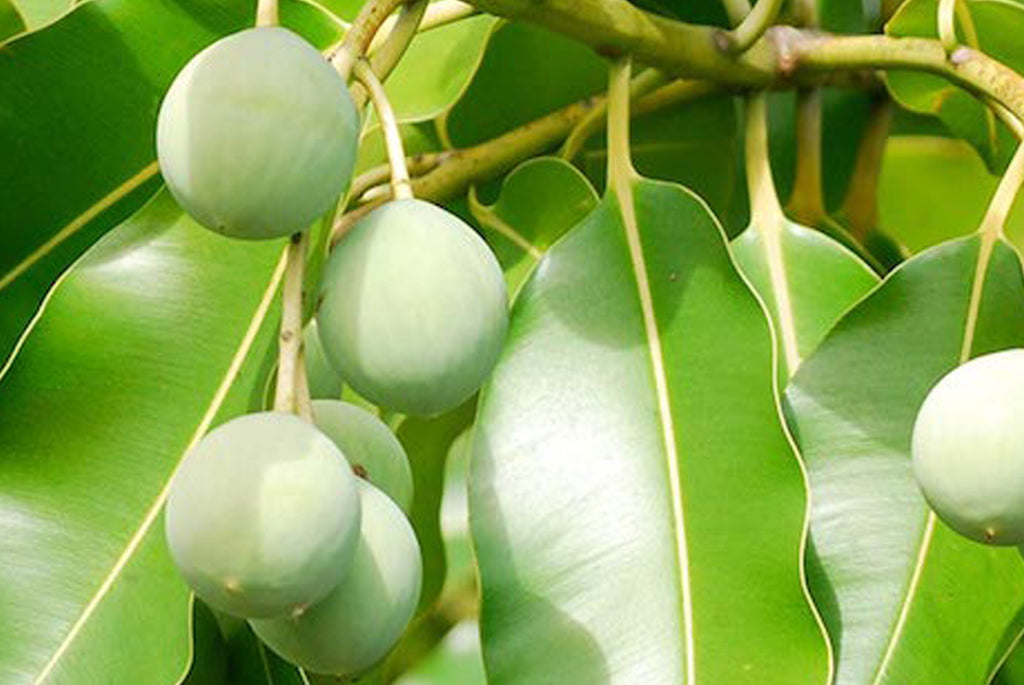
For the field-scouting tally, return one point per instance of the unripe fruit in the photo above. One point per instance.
(324, 381)
(362, 619)
(371, 448)
(263, 515)
(256, 137)
(968, 448)
(414, 308)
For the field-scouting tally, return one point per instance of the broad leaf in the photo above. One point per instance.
(921, 206)
(11, 21)
(1012, 671)
(998, 23)
(540, 200)
(38, 13)
(806, 279)
(906, 599)
(437, 68)
(629, 456)
(161, 331)
(84, 143)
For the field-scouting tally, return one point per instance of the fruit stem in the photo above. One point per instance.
(360, 34)
(645, 82)
(266, 13)
(292, 393)
(401, 186)
(994, 223)
(386, 54)
(806, 204)
(620, 161)
(753, 26)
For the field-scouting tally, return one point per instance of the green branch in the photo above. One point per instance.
(783, 56)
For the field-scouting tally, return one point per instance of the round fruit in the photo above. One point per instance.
(414, 308)
(968, 448)
(324, 381)
(256, 137)
(370, 447)
(356, 625)
(262, 514)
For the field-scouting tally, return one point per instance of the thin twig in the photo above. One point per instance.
(401, 188)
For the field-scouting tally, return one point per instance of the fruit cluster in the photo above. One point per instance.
(299, 526)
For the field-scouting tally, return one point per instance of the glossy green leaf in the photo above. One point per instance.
(906, 599)
(628, 457)
(933, 189)
(806, 279)
(999, 23)
(160, 331)
(11, 21)
(506, 93)
(437, 68)
(84, 143)
(38, 13)
(540, 200)
(1012, 671)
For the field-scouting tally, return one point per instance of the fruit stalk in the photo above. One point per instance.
(360, 34)
(266, 13)
(386, 53)
(292, 393)
(401, 186)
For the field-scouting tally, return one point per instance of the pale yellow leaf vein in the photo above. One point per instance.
(624, 193)
(78, 223)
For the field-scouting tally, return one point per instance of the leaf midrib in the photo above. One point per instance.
(622, 187)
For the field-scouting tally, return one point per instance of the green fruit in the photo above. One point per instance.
(262, 514)
(360, 621)
(414, 308)
(324, 381)
(257, 135)
(369, 446)
(968, 448)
